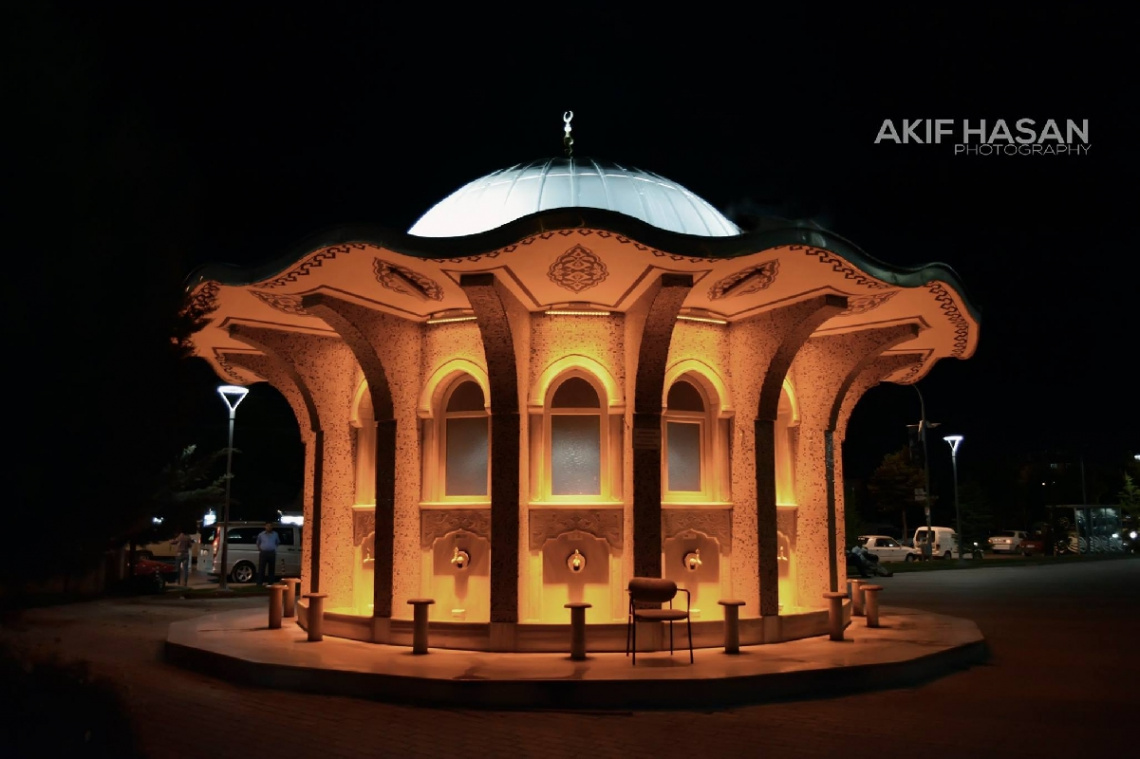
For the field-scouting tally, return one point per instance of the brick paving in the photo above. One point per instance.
(1061, 682)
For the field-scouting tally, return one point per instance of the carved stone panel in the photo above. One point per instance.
(750, 280)
(435, 523)
(578, 269)
(363, 522)
(716, 524)
(403, 280)
(546, 524)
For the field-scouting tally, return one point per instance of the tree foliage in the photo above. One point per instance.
(1129, 497)
(186, 488)
(97, 321)
(976, 515)
(892, 485)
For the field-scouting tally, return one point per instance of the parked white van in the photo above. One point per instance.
(945, 542)
(241, 551)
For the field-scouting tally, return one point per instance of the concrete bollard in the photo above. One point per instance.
(420, 624)
(856, 597)
(292, 590)
(731, 624)
(577, 629)
(316, 615)
(872, 603)
(835, 614)
(275, 605)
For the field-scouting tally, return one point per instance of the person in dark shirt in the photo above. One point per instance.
(267, 543)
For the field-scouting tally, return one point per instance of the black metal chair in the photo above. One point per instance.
(646, 594)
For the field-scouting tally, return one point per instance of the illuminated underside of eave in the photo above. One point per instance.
(606, 269)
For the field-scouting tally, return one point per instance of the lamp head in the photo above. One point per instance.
(232, 395)
(954, 441)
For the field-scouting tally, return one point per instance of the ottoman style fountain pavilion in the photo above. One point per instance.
(566, 374)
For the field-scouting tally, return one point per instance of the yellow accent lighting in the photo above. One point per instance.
(451, 319)
(704, 319)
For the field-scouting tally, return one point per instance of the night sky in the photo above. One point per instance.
(245, 127)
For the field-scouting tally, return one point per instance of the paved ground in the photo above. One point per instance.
(908, 647)
(1061, 682)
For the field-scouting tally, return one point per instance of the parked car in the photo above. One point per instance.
(242, 555)
(944, 543)
(1036, 543)
(152, 575)
(1007, 541)
(1045, 541)
(887, 548)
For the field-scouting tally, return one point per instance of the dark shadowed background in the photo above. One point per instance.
(151, 138)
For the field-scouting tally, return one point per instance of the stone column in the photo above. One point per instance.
(653, 354)
(502, 375)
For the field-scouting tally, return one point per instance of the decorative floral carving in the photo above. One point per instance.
(405, 281)
(577, 269)
(436, 523)
(750, 280)
(290, 304)
(715, 524)
(205, 298)
(863, 304)
(546, 524)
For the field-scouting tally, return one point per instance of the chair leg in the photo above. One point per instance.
(628, 629)
(634, 638)
(670, 637)
(689, 621)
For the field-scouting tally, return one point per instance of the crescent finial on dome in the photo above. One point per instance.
(567, 140)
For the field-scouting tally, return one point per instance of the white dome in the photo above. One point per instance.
(509, 194)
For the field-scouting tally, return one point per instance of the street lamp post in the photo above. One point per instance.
(923, 425)
(232, 395)
(955, 441)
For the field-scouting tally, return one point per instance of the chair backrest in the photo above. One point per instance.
(651, 590)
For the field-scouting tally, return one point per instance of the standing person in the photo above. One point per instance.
(182, 544)
(267, 543)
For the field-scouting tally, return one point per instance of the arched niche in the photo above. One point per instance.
(561, 584)
(457, 575)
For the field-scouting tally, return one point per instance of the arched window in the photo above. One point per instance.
(464, 441)
(694, 456)
(684, 435)
(785, 462)
(364, 428)
(576, 443)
